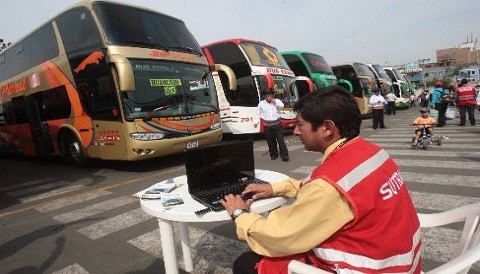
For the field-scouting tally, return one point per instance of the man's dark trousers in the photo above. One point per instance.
(442, 108)
(274, 135)
(377, 117)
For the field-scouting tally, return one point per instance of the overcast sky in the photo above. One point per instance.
(387, 32)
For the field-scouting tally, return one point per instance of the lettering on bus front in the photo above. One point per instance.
(169, 85)
(280, 71)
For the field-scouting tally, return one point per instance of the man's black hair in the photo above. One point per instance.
(332, 103)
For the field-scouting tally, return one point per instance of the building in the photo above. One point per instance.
(465, 55)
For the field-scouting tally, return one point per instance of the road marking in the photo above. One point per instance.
(88, 211)
(441, 179)
(33, 206)
(115, 224)
(470, 146)
(68, 201)
(52, 193)
(27, 184)
(440, 202)
(207, 256)
(435, 153)
(72, 269)
(458, 165)
(399, 140)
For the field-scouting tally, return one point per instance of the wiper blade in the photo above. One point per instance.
(187, 49)
(148, 117)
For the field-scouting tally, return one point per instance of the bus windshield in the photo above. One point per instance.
(262, 55)
(381, 72)
(364, 70)
(317, 63)
(125, 25)
(397, 74)
(165, 89)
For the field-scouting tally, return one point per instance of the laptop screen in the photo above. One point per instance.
(213, 166)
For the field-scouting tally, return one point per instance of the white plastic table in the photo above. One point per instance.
(185, 214)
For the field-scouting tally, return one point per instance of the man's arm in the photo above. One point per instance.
(319, 211)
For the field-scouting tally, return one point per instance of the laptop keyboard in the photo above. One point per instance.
(214, 196)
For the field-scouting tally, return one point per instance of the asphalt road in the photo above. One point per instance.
(59, 219)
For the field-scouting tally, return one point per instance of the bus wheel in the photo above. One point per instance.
(74, 153)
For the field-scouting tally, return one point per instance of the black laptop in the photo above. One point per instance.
(220, 169)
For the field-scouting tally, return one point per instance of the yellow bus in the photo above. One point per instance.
(108, 81)
(362, 81)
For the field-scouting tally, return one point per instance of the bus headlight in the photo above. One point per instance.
(216, 126)
(144, 136)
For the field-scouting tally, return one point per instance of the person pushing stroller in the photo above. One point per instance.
(424, 120)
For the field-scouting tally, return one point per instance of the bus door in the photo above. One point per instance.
(38, 128)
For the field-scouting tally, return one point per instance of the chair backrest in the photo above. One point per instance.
(468, 247)
(467, 252)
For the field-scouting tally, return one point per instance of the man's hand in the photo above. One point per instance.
(258, 190)
(232, 202)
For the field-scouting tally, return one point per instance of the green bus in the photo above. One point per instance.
(313, 66)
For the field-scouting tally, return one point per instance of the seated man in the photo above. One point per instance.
(422, 120)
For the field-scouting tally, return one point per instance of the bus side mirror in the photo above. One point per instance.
(124, 69)
(232, 78)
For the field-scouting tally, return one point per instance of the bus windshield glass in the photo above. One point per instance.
(397, 74)
(165, 89)
(262, 55)
(130, 26)
(364, 70)
(381, 72)
(317, 63)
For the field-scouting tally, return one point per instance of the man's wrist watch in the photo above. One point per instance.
(237, 212)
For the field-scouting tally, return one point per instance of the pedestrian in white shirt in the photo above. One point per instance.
(377, 102)
(391, 98)
(268, 111)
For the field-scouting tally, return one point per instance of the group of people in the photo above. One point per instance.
(463, 97)
(341, 212)
(381, 105)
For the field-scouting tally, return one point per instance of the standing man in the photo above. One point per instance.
(377, 102)
(391, 98)
(466, 102)
(342, 212)
(439, 103)
(268, 111)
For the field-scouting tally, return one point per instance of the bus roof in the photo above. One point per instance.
(83, 3)
(238, 41)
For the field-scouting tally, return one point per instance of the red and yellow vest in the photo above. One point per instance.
(466, 96)
(385, 233)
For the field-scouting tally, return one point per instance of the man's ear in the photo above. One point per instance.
(329, 125)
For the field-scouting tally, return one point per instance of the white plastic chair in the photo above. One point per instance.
(468, 248)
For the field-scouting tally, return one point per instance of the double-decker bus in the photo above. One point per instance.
(109, 81)
(313, 66)
(362, 80)
(253, 67)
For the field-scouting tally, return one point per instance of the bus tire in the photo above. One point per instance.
(73, 152)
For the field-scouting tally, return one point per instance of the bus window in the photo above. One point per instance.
(125, 25)
(19, 110)
(56, 104)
